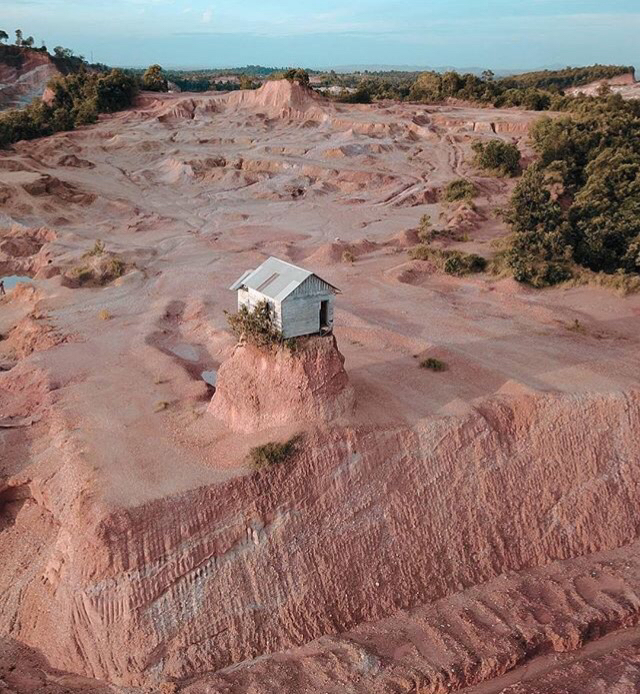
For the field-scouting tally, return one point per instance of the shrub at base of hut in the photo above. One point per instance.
(255, 327)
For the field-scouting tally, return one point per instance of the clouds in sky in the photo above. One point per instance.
(496, 33)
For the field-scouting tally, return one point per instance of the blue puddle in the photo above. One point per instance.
(12, 280)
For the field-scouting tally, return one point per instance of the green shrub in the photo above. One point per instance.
(433, 364)
(154, 80)
(498, 157)
(256, 327)
(459, 263)
(460, 189)
(452, 262)
(273, 453)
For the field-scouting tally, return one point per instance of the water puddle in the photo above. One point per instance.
(12, 280)
(186, 352)
(210, 377)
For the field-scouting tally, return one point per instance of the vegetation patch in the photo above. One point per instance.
(497, 157)
(77, 100)
(577, 327)
(348, 257)
(273, 453)
(433, 364)
(451, 262)
(460, 189)
(98, 249)
(256, 327)
(534, 91)
(98, 270)
(154, 80)
(577, 208)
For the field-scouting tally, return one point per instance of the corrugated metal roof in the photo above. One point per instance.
(275, 279)
(238, 283)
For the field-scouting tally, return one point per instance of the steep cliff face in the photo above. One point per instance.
(262, 388)
(23, 76)
(362, 524)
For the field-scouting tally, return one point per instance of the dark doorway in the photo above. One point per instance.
(324, 315)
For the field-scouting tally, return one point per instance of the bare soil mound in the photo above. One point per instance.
(282, 98)
(258, 388)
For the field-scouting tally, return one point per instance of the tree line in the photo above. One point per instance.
(578, 206)
(535, 91)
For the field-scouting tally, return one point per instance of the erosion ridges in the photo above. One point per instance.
(208, 579)
(19, 86)
(125, 549)
(471, 637)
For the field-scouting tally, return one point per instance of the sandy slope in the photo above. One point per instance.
(151, 552)
(19, 86)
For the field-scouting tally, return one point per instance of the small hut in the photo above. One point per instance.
(302, 302)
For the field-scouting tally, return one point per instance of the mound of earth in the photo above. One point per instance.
(24, 75)
(281, 98)
(259, 388)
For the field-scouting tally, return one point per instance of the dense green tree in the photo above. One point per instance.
(154, 80)
(592, 161)
(77, 99)
(62, 53)
(297, 75)
(605, 215)
(498, 157)
(427, 88)
(451, 84)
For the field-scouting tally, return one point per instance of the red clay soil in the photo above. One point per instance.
(137, 545)
(265, 388)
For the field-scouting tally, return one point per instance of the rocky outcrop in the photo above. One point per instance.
(259, 388)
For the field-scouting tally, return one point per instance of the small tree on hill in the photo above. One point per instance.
(154, 80)
(297, 75)
(3, 36)
(256, 327)
(18, 37)
(28, 42)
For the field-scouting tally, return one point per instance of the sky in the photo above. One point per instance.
(498, 34)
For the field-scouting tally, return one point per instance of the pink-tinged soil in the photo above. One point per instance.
(138, 547)
(20, 85)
